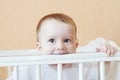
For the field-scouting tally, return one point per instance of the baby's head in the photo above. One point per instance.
(56, 34)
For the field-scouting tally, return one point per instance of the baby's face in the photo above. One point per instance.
(57, 38)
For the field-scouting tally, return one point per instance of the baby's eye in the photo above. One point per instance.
(52, 40)
(67, 40)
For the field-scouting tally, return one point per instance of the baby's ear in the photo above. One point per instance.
(76, 44)
(38, 46)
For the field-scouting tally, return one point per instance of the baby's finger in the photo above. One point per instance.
(111, 51)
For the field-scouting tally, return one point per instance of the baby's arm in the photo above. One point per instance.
(106, 46)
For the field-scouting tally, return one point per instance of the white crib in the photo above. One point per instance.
(15, 58)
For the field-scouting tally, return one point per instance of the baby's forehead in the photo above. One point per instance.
(52, 23)
(60, 20)
(52, 20)
(54, 26)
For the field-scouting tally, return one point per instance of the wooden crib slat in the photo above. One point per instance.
(102, 70)
(81, 71)
(38, 72)
(16, 72)
(59, 68)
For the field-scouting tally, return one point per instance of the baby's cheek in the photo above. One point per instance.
(49, 51)
(72, 50)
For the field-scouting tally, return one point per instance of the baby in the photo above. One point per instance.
(56, 35)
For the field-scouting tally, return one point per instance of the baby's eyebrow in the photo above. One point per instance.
(51, 37)
(70, 37)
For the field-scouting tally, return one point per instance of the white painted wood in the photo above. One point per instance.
(56, 59)
(15, 69)
(102, 70)
(38, 72)
(32, 57)
(59, 68)
(81, 71)
(18, 52)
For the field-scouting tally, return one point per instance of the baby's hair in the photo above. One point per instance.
(57, 16)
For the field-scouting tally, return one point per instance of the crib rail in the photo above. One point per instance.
(32, 57)
(18, 58)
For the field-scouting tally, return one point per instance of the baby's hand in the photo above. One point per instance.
(108, 49)
(100, 45)
(103, 45)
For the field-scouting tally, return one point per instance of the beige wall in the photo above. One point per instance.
(18, 20)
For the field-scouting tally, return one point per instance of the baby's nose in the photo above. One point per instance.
(60, 46)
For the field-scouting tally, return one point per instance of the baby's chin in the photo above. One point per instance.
(64, 66)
